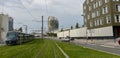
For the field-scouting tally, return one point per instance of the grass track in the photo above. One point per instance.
(47, 49)
(35, 49)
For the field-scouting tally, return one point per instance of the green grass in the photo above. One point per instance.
(36, 49)
(50, 50)
(21, 51)
(75, 51)
(47, 49)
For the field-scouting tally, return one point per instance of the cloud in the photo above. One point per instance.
(68, 12)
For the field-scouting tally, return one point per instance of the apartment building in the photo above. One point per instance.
(102, 14)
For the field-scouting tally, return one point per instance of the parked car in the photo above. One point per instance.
(67, 39)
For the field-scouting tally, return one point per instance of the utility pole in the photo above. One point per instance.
(42, 27)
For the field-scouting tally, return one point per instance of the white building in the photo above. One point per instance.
(4, 24)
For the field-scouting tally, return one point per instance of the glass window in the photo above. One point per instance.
(106, 1)
(91, 24)
(105, 10)
(10, 35)
(100, 2)
(117, 18)
(108, 18)
(101, 21)
(118, 7)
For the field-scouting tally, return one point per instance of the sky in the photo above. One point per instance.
(29, 12)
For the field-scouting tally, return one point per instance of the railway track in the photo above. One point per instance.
(35, 49)
(56, 54)
(40, 51)
(51, 49)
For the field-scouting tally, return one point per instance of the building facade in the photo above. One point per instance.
(10, 24)
(6, 24)
(53, 23)
(102, 14)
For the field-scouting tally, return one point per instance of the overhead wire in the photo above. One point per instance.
(46, 6)
(27, 10)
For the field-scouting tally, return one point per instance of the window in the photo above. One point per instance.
(93, 14)
(98, 13)
(84, 7)
(108, 18)
(106, 1)
(116, 0)
(100, 2)
(97, 22)
(87, 1)
(117, 7)
(101, 21)
(88, 16)
(117, 18)
(91, 24)
(105, 10)
(91, 0)
(85, 20)
(90, 7)
(96, 4)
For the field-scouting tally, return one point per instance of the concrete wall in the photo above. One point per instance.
(81, 32)
(100, 32)
(84, 32)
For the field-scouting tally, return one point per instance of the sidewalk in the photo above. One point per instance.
(108, 46)
(106, 43)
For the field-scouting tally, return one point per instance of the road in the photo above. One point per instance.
(108, 49)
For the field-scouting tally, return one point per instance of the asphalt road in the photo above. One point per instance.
(112, 50)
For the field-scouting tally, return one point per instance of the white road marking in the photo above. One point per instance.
(107, 46)
(62, 51)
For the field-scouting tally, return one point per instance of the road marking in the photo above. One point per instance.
(92, 44)
(107, 46)
(62, 51)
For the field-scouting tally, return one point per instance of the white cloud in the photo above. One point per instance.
(64, 10)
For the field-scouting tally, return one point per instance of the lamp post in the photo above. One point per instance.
(86, 29)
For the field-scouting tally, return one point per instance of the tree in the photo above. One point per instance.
(61, 29)
(77, 25)
(71, 27)
(83, 26)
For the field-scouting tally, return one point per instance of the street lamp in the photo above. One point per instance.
(86, 29)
